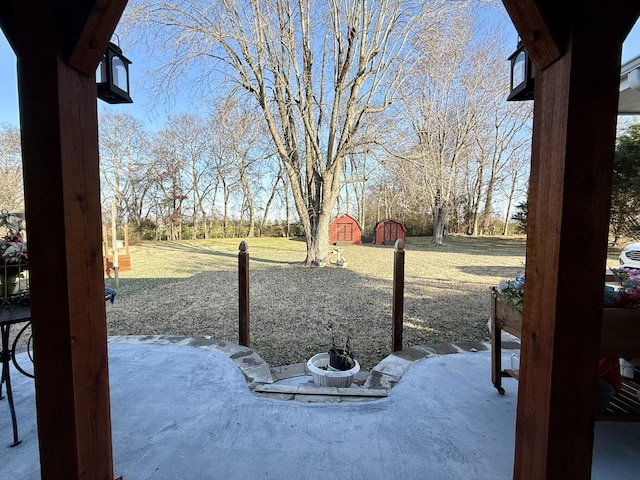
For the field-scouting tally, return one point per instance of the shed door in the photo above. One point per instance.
(345, 232)
(390, 232)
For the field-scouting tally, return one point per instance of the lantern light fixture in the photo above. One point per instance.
(522, 75)
(112, 76)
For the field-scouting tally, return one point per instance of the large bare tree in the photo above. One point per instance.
(316, 68)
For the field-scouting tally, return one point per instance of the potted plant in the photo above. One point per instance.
(340, 358)
(13, 255)
(335, 368)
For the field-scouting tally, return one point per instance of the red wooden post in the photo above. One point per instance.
(397, 313)
(243, 295)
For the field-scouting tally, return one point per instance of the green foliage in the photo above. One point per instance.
(417, 224)
(146, 230)
(512, 291)
(625, 204)
(522, 212)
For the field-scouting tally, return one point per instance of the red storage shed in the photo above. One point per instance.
(388, 231)
(345, 230)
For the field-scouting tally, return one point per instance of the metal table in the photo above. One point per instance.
(12, 315)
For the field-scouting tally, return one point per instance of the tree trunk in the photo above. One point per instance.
(511, 194)
(476, 202)
(274, 190)
(246, 190)
(486, 214)
(194, 228)
(318, 242)
(439, 224)
(205, 225)
(252, 219)
(286, 205)
(225, 215)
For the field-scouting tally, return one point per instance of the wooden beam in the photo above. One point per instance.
(85, 29)
(93, 38)
(539, 24)
(7, 22)
(569, 200)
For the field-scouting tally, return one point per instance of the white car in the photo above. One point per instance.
(630, 256)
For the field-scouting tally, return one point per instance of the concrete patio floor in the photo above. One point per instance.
(182, 412)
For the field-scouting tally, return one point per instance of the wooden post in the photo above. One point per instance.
(105, 251)
(397, 313)
(58, 114)
(114, 243)
(572, 153)
(243, 295)
(126, 239)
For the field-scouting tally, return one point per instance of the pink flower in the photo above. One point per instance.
(13, 249)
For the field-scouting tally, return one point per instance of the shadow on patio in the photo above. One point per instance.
(184, 412)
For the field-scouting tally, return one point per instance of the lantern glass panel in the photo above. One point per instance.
(518, 73)
(101, 71)
(119, 70)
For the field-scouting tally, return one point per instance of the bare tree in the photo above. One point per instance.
(169, 166)
(506, 140)
(125, 166)
(272, 195)
(244, 143)
(192, 143)
(316, 69)
(11, 186)
(454, 106)
(515, 169)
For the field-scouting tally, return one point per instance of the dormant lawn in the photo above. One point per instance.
(191, 288)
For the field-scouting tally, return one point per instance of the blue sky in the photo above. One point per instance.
(141, 107)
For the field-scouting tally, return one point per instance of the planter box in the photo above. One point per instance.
(620, 335)
(124, 263)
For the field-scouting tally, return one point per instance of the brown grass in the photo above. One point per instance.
(191, 288)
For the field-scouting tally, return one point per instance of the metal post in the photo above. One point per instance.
(397, 312)
(243, 295)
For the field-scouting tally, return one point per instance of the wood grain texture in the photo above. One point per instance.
(397, 308)
(90, 42)
(620, 328)
(539, 24)
(60, 156)
(569, 196)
